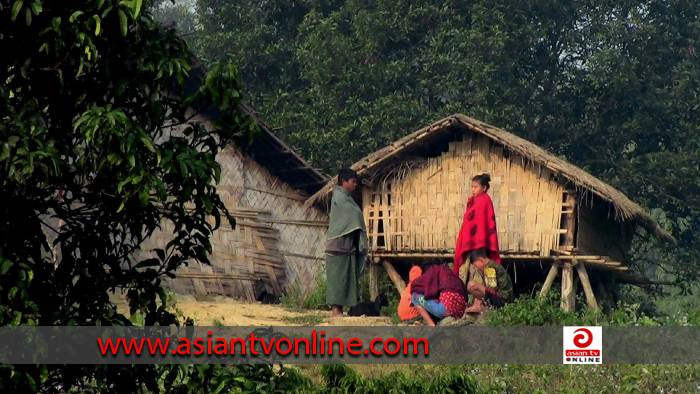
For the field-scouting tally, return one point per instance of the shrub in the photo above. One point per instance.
(533, 311)
(296, 299)
(340, 378)
(216, 378)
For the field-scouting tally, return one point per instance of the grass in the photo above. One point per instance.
(486, 378)
(304, 320)
(493, 378)
(295, 299)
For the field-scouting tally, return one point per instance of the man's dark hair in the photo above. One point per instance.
(346, 174)
(477, 253)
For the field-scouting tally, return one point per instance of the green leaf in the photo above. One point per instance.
(148, 143)
(36, 7)
(28, 16)
(120, 185)
(16, 8)
(74, 16)
(97, 24)
(56, 23)
(122, 22)
(5, 266)
(143, 197)
(137, 8)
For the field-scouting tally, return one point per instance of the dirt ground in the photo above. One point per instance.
(228, 312)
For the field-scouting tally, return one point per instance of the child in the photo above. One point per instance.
(489, 284)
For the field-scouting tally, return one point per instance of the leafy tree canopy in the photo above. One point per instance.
(90, 167)
(612, 86)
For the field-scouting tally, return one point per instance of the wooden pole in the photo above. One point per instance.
(568, 291)
(373, 281)
(567, 288)
(569, 241)
(586, 283)
(394, 276)
(551, 275)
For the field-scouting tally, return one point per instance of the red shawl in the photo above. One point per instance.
(478, 230)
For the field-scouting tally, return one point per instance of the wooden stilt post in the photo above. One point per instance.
(586, 283)
(568, 291)
(373, 281)
(567, 288)
(394, 276)
(569, 222)
(553, 270)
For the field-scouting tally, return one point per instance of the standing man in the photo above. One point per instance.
(346, 245)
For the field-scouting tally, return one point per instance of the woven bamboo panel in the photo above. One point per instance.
(276, 239)
(427, 203)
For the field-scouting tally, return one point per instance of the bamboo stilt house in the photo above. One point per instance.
(548, 212)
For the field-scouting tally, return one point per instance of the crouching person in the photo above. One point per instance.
(489, 284)
(438, 293)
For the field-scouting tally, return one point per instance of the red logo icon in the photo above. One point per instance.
(583, 337)
(583, 345)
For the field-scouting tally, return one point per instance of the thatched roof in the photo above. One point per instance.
(625, 208)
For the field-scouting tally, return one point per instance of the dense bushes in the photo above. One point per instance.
(341, 378)
(533, 311)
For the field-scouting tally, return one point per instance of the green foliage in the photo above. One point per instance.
(609, 85)
(527, 310)
(89, 169)
(343, 379)
(296, 299)
(621, 378)
(304, 320)
(230, 379)
(392, 308)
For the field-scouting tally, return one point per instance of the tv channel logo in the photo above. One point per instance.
(583, 345)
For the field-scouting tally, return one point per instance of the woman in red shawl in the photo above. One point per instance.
(478, 226)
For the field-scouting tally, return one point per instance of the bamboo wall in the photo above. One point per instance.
(422, 209)
(276, 239)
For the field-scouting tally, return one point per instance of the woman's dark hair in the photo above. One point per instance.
(483, 180)
(427, 264)
(346, 174)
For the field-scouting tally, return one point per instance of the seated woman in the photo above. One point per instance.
(489, 284)
(438, 293)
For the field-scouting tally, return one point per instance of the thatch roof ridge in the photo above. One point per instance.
(625, 208)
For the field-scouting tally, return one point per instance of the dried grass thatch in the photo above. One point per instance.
(625, 208)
